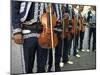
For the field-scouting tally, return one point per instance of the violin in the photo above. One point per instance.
(73, 25)
(65, 23)
(81, 23)
(73, 22)
(48, 39)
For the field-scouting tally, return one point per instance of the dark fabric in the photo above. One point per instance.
(35, 27)
(66, 50)
(41, 59)
(31, 12)
(75, 43)
(73, 13)
(55, 10)
(30, 46)
(15, 18)
(58, 50)
(70, 42)
(81, 40)
(92, 31)
(89, 16)
(67, 10)
(22, 14)
(50, 60)
(57, 58)
(58, 55)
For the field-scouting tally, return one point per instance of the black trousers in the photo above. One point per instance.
(66, 49)
(58, 53)
(70, 43)
(75, 43)
(92, 31)
(81, 39)
(41, 60)
(43, 55)
(30, 46)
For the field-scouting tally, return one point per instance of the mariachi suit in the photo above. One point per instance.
(23, 12)
(57, 30)
(66, 48)
(91, 19)
(82, 31)
(70, 28)
(76, 33)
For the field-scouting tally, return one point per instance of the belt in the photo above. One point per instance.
(92, 24)
(29, 24)
(70, 26)
(58, 23)
(31, 35)
(70, 22)
(57, 29)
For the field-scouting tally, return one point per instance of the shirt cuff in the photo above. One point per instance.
(17, 30)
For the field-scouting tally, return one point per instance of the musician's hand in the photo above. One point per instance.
(18, 38)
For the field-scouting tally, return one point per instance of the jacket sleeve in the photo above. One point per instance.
(88, 16)
(15, 16)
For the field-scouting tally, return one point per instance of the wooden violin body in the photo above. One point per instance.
(65, 23)
(81, 24)
(45, 38)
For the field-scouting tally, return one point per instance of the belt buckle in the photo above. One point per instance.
(59, 20)
(26, 31)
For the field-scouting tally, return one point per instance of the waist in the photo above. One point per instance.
(31, 21)
(76, 27)
(70, 26)
(25, 36)
(92, 24)
(34, 28)
(58, 22)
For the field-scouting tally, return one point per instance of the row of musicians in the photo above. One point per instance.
(27, 28)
